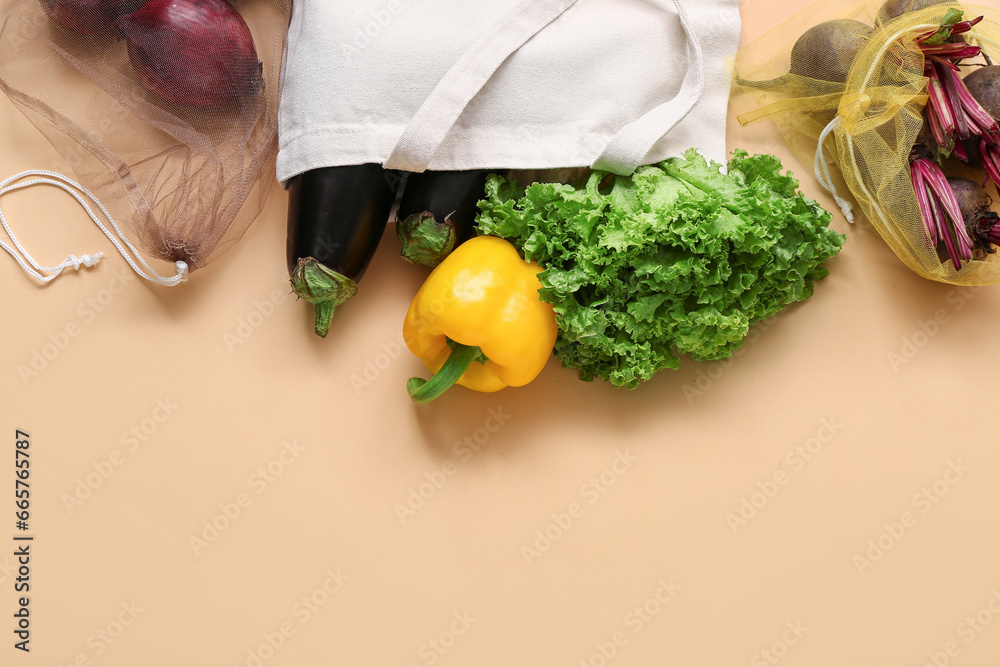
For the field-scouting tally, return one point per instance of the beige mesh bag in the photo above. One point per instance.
(181, 172)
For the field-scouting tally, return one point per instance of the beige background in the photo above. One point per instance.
(886, 409)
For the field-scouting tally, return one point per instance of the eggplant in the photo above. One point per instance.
(437, 212)
(336, 218)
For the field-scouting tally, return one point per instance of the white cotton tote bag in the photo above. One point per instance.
(519, 84)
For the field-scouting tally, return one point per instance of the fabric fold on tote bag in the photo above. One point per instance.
(615, 81)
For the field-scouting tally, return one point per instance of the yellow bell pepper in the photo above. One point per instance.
(478, 322)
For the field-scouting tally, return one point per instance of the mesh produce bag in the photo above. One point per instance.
(868, 122)
(180, 153)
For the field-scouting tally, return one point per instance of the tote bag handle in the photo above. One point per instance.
(440, 111)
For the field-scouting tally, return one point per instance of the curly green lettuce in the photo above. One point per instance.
(676, 259)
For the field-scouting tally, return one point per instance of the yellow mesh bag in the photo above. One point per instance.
(872, 118)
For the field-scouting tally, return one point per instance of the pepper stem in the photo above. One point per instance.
(461, 357)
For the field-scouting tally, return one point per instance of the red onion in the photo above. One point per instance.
(196, 53)
(88, 17)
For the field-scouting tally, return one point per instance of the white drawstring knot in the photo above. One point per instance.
(87, 261)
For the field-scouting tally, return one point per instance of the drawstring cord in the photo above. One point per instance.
(823, 174)
(37, 271)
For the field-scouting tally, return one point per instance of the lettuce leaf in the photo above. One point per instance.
(676, 259)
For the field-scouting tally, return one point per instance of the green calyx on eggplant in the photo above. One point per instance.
(336, 218)
(424, 239)
(438, 212)
(324, 288)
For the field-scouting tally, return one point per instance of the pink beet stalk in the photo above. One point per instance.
(989, 154)
(940, 211)
(994, 235)
(978, 118)
(952, 111)
(939, 109)
(953, 115)
(923, 200)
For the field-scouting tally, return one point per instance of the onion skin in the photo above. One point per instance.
(88, 17)
(193, 53)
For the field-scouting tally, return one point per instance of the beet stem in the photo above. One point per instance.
(939, 109)
(954, 102)
(960, 153)
(946, 196)
(980, 119)
(940, 139)
(926, 211)
(949, 242)
(990, 154)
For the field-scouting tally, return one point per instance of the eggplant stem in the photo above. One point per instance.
(323, 287)
(425, 240)
(461, 357)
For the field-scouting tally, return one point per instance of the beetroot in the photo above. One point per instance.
(195, 53)
(826, 51)
(984, 85)
(88, 17)
(982, 224)
(894, 8)
(821, 56)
